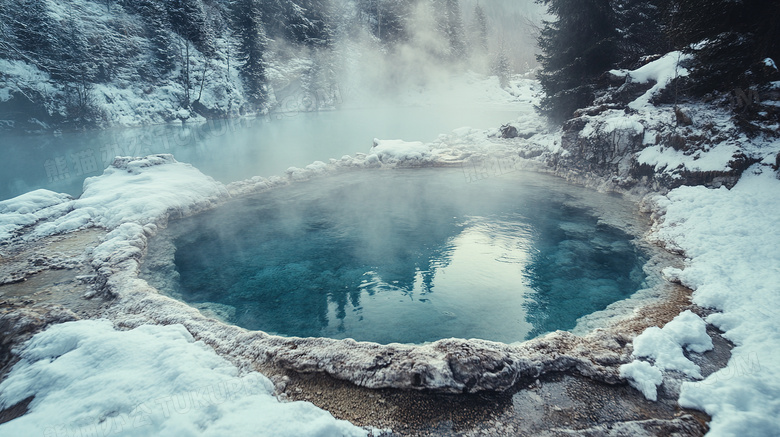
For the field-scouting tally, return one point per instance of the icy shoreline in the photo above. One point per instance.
(134, 198)
(143, 199)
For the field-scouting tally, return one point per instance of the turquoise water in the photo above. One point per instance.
(407, 256)
(227, 150)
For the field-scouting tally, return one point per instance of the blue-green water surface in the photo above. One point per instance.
(409, 256)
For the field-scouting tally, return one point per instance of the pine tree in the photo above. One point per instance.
(311, 24)
(729, 39)
(274, 13)
(33, 29)
(6, 48)
(642, 28)
(188, 19)
(480, 29)
(501, 66)
(248, 20)
(155, 18)
(387, 20)
(301, 22)
(451, 26)
(577, 48)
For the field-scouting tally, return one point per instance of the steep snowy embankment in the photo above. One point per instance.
(731, 239)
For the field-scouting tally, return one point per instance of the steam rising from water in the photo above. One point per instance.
(403, 256)
(420, 69)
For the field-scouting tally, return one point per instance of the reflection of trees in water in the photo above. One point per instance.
(282, 258)
(298, 260)
(581, 266)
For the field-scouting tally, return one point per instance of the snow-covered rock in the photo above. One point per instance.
(29, 209)
(393, 151)
(661, 71)
(138, 190)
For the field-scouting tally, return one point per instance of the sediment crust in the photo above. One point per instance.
(107, 266)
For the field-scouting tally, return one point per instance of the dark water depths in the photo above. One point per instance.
(406, 256)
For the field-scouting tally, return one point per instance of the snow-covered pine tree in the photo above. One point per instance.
(451, 26)
(729, 39)
(480, 29)
(34, 31)
(642, 28)
(155, 17)
(6, 48)
(248, 22)
(501, 66)
(577, 47)
(300, 22)
(311, 24)
(274, 13)
(188, 19)
(387, 20)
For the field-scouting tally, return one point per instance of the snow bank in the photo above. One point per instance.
(731, 240)
(138, 190)
(398, 150)
(89, 379)
(643, 376)
(28, 209)
(661, 71)
(716, 159)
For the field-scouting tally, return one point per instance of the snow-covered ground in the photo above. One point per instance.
(91, 379)
(730, 238)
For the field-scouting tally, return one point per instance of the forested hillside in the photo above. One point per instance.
(662, 92)
(106, 62)
(727, 46)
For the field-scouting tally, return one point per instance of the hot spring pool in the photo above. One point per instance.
(405, 256)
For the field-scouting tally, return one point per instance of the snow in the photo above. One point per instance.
(139, 190)
(398, 150)
(89, 379)
(643, 376)
(769, 62)
(661, 71)
(135, 196)
(28, 209)
(730, 239)
(17, 76)
(623, 123)
(667, 158)
(129, 106)
(690, 331)
(665, 345)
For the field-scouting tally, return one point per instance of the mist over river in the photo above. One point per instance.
(235, 149)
